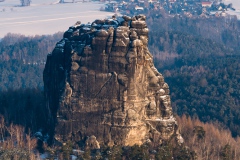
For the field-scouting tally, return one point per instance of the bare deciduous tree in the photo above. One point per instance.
(208, 140)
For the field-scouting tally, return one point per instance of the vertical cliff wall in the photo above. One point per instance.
(100, 82)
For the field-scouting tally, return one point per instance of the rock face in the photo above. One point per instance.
(100, 82)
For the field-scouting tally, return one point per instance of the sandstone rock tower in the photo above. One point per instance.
(100, 82)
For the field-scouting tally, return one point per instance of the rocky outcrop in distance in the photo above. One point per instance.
(101, 86)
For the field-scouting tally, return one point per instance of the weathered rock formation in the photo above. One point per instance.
(100, 82)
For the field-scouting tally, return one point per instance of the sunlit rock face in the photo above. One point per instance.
(100, 81)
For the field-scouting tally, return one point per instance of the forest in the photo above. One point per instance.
(199, 59)
(203, 77)
(22, 60)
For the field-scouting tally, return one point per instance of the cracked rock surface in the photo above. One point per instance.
(100, 82)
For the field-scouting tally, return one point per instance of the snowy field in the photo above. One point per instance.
(46, 16)
(236, 5)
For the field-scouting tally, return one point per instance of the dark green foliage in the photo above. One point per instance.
(168, 152)
(144, 152)
(98, 156)
(138, 152)
(212, 93)
(114, 153)
(164, 153)
(24, 107)
(223, 30)
(226, 152)
(16, 153)
(199, 132)
(183, 153)
(203, 76)
(199, 58)
(22, 60)
(118, 151)
(67, 150)
(185, 44)
(87, 154)
(15, 75)
(27, 49)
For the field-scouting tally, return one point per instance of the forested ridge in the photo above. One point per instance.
(15, 75)
(27, 49)
(224, 30)
(202, 70)
(203, 76)
(24, 107)
(199, 58)
(22, 60)
(208, 90)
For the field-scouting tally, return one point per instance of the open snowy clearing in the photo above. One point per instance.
(236, 5)
(46, 16)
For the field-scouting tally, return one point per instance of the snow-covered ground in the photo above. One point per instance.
(236, 5)
(46, 16)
